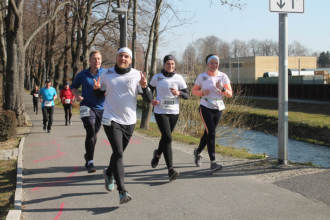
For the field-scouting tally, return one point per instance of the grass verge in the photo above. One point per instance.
(7, 186)
(7, 178)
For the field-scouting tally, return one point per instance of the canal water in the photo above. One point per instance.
(259, 143)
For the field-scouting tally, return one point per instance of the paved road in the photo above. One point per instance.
(56, 186)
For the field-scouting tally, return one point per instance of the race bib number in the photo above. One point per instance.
(48, 103)
(106, 121)
(67, 101)
(36, 95)
(217, 103)
(84, 111)
(168, 103)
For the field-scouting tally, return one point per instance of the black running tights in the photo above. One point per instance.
(166, 124)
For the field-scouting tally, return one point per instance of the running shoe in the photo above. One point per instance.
(49, 130)
(155, 159)
(124, 197)
(172, 174)
(197, 158)
(90, 168)
(215, 166)
(109, 181)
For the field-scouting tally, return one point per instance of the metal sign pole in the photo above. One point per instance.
(283, 90)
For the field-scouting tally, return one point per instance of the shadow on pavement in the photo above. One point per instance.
(68, 195)
(238, 168)
(95, 211)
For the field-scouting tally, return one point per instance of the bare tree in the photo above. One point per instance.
(16, 48)
(239, 48)
(253, 45)
(3, 52)
(153, 40)
(297, 49)
(268, 48)
(224, 49)
(134, 34)
(231, 3)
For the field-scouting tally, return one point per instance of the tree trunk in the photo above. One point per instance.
(85, 45)
(20, 107)
(11, 76)
(75, 44)
(3, 53)
(66, 46)
(135, 2)
(58, 76)
(147, 107)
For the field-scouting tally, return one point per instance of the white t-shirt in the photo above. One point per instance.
(169, 104)
(213, 100)
(120, 96)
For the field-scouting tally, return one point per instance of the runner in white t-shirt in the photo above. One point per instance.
(121, 85)
(169, 87)
(211, 86)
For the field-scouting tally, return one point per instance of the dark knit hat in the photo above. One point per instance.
(168, 57)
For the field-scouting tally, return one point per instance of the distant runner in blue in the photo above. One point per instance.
(91, 106)
(47, 97)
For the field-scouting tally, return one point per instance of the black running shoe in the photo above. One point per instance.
(90, 168)
(197, 158)
(155, 159)
(172, 174)
(215, 166)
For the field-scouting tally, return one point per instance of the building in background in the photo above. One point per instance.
(246, 70)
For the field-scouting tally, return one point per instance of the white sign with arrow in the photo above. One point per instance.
(286, 6)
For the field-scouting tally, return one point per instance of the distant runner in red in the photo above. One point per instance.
(67, 98)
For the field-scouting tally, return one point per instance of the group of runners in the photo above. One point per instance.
(109, 98)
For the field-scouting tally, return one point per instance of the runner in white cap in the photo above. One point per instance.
(121, 85)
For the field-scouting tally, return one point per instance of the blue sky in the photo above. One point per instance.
(311, 29)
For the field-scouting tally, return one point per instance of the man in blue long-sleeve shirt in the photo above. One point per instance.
(91, 106)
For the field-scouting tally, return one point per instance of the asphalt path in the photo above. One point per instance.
(57, 186)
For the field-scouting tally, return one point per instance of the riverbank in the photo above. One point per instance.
(307, 122)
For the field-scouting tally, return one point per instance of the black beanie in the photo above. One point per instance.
(168, 57)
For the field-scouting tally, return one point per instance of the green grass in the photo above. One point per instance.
(7, 186)
(310, 119)
(153, 131)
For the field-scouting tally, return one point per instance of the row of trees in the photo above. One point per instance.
(238, 48)
(193, 59)
(51, 39)
(42, 39)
